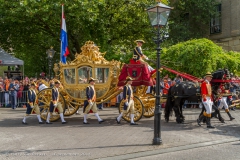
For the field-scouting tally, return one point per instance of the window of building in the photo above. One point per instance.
(215, 24)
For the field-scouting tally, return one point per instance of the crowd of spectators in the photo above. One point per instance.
(13, 92)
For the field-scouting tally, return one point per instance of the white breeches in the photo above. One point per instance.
(208, 105)
(223, 102)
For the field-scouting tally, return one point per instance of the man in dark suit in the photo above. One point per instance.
(32, 105)
(90, 103)
(55, 103)
(128, 101)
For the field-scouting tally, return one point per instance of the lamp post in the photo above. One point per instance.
(158, 16)
(50, 53)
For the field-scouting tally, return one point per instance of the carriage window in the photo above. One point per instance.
(84, 73)
(102, 74)
(69, 75)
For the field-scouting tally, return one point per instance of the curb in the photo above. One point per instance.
(168, 150)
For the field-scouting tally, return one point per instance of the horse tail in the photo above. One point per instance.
(169, 105)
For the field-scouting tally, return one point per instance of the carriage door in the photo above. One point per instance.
(84, 73)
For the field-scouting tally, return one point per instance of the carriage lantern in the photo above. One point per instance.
(50, 53)
(158, 16)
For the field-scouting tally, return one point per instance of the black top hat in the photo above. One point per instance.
(128, 78)
(91, 80)
(33, 84)
(57, 82)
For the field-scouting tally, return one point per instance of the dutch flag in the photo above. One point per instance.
(64, 40)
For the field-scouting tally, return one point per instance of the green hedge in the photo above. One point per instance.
(199, 56)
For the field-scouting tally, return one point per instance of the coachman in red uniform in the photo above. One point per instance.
(206, 92)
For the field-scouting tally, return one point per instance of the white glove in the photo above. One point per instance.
(126, 103)
(32, 106)
(55, 105)
(90, 103)
(146, 58)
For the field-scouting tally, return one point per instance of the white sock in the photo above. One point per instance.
(24, 119)
(39, 118)
(85, 118)
(150, 68)
(132, 118)
(48, 118)
(99, 119)
(119, 117)
(62, 118)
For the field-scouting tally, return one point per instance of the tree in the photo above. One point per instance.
(31, 27)
(199, 56)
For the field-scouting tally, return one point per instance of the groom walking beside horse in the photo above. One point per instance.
(206, 92)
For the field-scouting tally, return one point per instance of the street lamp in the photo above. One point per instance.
(50, 53)
(158, 16)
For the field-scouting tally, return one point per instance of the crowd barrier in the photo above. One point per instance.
(16, 98)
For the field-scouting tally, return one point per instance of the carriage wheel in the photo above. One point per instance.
(149, 105)
(138, 110)
(71, 106)
(44, 99)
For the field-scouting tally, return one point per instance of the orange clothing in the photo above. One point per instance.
(7, 84)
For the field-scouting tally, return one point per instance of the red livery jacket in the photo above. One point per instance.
(206, 90)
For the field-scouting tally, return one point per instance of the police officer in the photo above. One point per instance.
(90, 104)
(206, 92)
(128, 102)
(55, 103)
(32, 104)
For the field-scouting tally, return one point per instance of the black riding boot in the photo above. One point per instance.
(199, 120)
(230, 116)
(209, 123)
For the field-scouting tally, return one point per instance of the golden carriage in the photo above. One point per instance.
(74, 77)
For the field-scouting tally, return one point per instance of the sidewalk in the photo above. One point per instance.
(99, 141)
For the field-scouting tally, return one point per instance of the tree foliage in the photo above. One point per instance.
(30, 27)
(199, 56)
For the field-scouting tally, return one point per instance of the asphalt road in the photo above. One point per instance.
(110, 140)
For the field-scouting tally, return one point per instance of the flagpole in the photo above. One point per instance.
(60, 39)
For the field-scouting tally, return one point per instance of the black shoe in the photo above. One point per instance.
(86, 123)
(133, 124)
(64, 122)
(118, 122)
(101, 121)
(210, 127)
(199, 122)
(40, 123)
(24, 123)
(231, 118)
(48, 123)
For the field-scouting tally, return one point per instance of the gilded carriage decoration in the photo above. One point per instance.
(74, 77)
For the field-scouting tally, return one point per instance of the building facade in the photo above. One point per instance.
(225, 27)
